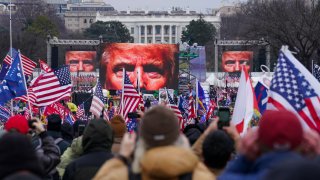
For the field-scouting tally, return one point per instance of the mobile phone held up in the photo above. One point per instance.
(133, 115)
(224, 117)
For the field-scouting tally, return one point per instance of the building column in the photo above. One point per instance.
(162, 34)
(153, 34)
(139, 34)
(170, 34)
(145, 34)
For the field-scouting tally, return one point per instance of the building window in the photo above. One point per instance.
(173, 30)
(173, 40)
(166, 30)
(85, 21)
(158, 29)
(142, 40)
(91, 21)
(132, 30)
(142, 30)
(149, 30)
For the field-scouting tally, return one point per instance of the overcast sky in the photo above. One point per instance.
(198, 5)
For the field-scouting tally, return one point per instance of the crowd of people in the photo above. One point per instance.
(279, 148)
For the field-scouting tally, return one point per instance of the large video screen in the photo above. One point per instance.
(154, 65)
(233, 60)
(81, 61)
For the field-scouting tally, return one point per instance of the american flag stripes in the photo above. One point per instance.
(80, 112)
(106, 115)
(131, 98)
(28, 64)
(98, 101)
(176, 110)
(4, 114)
(191, 109)
(52, 87)
(294, 88)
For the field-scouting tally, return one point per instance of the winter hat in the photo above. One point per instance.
(118, 125)
(17, 122)
(280, 130)
(159, 127)
(54, 122)
(17, 154)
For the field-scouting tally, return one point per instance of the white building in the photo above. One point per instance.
(157, 26)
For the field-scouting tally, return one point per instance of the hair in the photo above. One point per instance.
(217, 149)
(168, 53)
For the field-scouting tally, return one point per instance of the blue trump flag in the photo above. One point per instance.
(6, 63)
(13, 84)
(261, 92)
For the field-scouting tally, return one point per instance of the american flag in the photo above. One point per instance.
(52, 87)
(131, 98)
(98, 100)
(28, 64)
(294, 88)
(191, 109)
(106, 115)
(24, 98)
(176, 111)
(44, 66)
(316, 71)
(80, 111)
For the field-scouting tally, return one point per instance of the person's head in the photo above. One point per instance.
(118, 126)
(279, 130)
(17, 123)
(154, 62)
(81, 60)
(67, 131)
(159, 127)
(54, 122)
(97, 136)
(233, 60)
(192, 132)
(18, 155)
(217, 149)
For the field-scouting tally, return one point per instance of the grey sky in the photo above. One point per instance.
(198, 5)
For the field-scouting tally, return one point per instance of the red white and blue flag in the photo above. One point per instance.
(295, 89)
(176, 110)
(80, 112)
(98, 101)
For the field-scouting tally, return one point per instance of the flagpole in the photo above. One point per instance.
(197, 105)
(122, 93)
(138, 81)
(25, 83)
(312, 67)
(10, 31)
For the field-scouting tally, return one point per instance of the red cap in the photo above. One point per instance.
(18, 122)
(280, 130)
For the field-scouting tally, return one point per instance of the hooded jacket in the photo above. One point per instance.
(96, 142)
(167, 162)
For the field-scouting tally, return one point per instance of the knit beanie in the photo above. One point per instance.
(17, 154)
(18, 123)
(118, 126)
(159, 127)
(54, 123)
(280, 130)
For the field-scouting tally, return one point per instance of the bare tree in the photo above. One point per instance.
(295, 23)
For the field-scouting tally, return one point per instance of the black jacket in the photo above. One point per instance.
(96, 142)
(62, 144)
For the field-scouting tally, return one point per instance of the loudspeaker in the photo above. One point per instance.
(54, 57)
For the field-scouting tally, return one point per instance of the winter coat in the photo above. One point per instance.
(166, 162)
(48, 153)
(62, 144)
(96, 142)
(241, 168)
(72, 153)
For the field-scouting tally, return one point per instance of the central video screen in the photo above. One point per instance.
(155, 66)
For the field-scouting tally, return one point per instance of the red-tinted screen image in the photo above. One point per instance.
(157, 65)
(233, 60)
(82, 61)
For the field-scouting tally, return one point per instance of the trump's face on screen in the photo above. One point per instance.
(152, 64)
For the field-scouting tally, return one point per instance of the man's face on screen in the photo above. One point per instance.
(147, 61)
(233, 60)
(82, 61)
